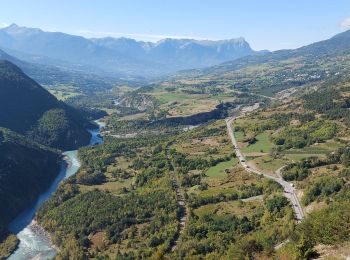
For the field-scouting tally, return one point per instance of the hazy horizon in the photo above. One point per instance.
(269, 25)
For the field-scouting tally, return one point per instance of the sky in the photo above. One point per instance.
(265, 24)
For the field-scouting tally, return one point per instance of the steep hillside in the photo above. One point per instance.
(29, 109)
(125, 56)
(26, 170)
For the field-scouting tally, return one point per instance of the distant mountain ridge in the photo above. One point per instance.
(119, 55)
(332, 47)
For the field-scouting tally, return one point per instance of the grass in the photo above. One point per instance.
(269, 164)
(263, 144)
(215, 191)
(62, 95)
(190, 107)
(8, 245)
(165, 97)
(195, 146)
(113, 187)
(183, 104)
(63, 92)
(231, 207)
(319, 150)
(297, 157)
(239, 136)
(218, 171)
(133, 117)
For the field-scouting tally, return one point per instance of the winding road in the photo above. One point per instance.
(289, 191)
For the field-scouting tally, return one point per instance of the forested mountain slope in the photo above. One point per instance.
(81, 79)
(32, 124)
(29, 109)
(26, 170)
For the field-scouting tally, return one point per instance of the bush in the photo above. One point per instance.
(324, 186)
(296, 172)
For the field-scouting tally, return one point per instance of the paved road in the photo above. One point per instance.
(289, 191)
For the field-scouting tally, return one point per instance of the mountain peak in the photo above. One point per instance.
(238, 40)
(12, 26)
(16, 29)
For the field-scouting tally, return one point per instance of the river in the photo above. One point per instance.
(34, 243)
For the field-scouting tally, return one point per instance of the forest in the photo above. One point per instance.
(143, 212)
(25, 174)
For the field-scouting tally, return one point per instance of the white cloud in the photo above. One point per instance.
(345, 24)
(137, 36)
(3, 25)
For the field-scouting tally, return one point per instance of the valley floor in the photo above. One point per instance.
(190, 195)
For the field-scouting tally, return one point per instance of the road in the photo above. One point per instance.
(289, 191)
(180, 198)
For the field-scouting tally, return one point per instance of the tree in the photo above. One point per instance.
(304, 248)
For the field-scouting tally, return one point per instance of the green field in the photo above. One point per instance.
(63, 92)
(267, 163)
(239, 136)
(263, 144)
(165, 97)
(218, 171)
(230, 207)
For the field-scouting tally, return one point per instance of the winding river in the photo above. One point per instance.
(34, 242)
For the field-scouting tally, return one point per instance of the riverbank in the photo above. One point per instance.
(34, 241)
(8, 246)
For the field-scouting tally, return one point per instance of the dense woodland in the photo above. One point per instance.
(26, 170)
(33, 126)
(144, 213)
(38, 114)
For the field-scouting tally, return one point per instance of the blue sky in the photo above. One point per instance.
(265, 24)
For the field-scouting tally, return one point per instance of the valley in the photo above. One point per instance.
(112, 148)
(33, 240)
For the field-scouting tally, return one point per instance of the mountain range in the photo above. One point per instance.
(118, 56)
(335, 46)
(318, 62)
